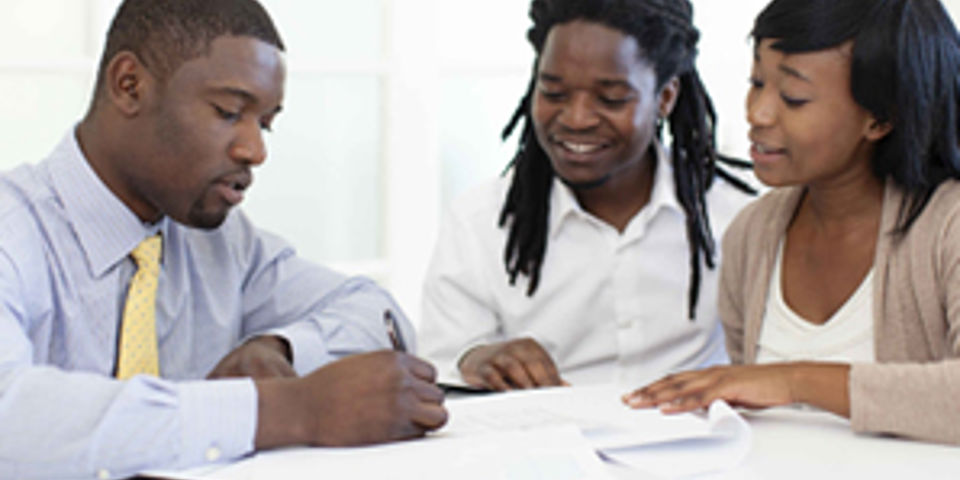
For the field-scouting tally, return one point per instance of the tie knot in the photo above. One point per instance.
(147, 253)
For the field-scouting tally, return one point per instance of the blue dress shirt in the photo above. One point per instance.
(65, 241)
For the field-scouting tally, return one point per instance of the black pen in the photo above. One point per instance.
(393, 331)
(396, 340)
(455, 388)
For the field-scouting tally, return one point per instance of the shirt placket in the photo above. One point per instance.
(630, 337)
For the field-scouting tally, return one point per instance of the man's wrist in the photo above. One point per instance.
(279, 421)
(277, 343)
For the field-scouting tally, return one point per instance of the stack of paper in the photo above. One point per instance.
(665, 445)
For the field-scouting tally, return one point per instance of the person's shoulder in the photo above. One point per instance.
(22, 187)
(23, 196)
(759, 214)
(766, 207)
(27, 208)
(940, 217)
(946, 199)
(727, 198)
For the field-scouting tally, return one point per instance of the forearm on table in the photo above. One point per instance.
(822, 385)
(120, 427)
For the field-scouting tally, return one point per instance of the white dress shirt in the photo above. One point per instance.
(610, 307)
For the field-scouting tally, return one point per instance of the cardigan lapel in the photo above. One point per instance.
(892, 198)
(769, 240)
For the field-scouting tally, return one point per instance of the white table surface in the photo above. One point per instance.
(790, 443)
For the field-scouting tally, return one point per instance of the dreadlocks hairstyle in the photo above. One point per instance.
(165, 34)
(905, 71)
(665, 33)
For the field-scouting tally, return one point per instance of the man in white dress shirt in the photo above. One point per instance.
(594, 259)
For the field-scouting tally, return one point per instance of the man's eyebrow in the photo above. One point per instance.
(612, 82)
(244, 94)
(236, 92)
(550, 78)
(606, 83)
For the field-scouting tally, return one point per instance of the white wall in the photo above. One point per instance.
(393, 108)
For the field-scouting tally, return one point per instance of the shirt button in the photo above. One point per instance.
(213, 454)
(103, 474)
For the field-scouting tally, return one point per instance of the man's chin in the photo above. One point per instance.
(206, 220)
(580, 185)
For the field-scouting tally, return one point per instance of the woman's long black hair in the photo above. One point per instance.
(905, 71)
(665, 33)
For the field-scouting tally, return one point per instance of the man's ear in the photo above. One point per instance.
(668, 96)
(876, 130)
(126, 83)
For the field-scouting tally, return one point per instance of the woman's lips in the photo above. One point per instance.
(763, 154)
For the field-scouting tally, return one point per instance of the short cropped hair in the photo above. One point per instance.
(164, 34)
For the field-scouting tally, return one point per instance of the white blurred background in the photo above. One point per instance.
(393, 108)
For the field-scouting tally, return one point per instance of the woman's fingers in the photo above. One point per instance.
(756, 386)
(671, 388)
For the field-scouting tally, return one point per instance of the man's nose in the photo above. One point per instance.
(579, 113)
(249, 147)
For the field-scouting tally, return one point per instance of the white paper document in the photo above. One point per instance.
(665, 445)
(548, 434)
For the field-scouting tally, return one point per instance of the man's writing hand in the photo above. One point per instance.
(363, 399)
(261, 357)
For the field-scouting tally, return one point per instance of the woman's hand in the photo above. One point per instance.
(753, 386)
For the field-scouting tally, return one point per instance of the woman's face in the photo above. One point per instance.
(805, 127)
(596, 103)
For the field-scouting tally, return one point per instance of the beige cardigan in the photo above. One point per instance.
(914, 388)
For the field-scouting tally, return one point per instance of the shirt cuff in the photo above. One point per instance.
(219, 420)
(307, 345)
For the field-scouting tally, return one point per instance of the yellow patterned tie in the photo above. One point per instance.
(138, 330)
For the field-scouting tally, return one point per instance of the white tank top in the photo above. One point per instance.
(846, 337)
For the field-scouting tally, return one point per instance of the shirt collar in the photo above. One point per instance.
(564, 204)
(106, 228)
(664, 194)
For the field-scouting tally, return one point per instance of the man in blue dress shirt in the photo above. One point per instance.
(184, 90)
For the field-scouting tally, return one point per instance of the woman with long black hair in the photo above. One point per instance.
(840, 289)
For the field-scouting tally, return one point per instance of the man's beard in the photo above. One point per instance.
(586, 185)
(197, 217)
